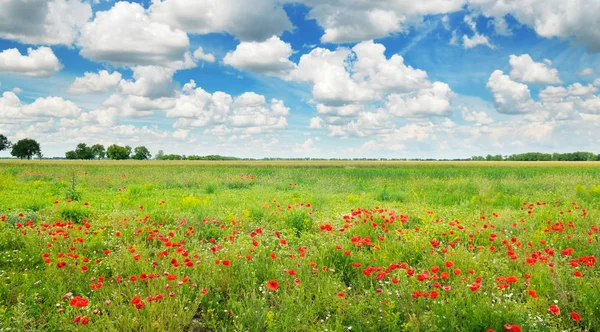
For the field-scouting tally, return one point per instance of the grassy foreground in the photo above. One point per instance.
(297, 246)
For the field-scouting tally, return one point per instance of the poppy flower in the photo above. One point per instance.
(78, 302)
(272, 285)
(575, 317)
(554, 309)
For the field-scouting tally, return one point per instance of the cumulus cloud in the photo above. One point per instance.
(94, 83)
(200, 55)
(524, 69)
(549, 18)
(433, 101)
(248, 114)
(270, 57)
(254, 20)
(477, 117)
(40, 62)
(510, 97)
(137, 106)
(12, 108)
(306, 147)
(345, 21)
(315, 123)
(43, 21)
(125, 35)
(150, 81)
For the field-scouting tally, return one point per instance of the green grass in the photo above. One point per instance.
(399, 219)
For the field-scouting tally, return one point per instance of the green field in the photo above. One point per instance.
(299, 246)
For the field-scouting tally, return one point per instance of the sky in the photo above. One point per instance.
(305, 78)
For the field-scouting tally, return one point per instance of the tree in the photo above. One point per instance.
(160, 155)
(71, 155)
(26, 148)
(84, 152)
(116, 152)
(141, 153)
(98, 151)
(4, 143)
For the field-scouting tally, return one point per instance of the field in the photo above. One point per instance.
(299, 246)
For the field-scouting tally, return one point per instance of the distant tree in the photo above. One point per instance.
(71, 155)
(26, 148)
(84, 152)
(129, 150)
(98, 151)
(160, 155)
(116, 152)
(4, 143)
(141, 153)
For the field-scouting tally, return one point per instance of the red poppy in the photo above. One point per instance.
(79, 302)
(272, 285)
(575, 316)
(554, 309)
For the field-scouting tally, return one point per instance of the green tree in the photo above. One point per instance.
(98, 151)
(4, 143)
(160, 155)
(84, 152)
(116, 152)
(71, 155)
(26, 148)
(141, 153)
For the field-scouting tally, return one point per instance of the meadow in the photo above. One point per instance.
(299, 246)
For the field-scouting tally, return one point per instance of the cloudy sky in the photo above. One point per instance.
(305, 78)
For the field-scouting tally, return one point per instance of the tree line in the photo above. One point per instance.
(28, 148)
(113, 152)
(538, 156)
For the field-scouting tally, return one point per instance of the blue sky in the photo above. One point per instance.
(307, 78)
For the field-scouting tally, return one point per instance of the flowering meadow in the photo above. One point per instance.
(299, 246)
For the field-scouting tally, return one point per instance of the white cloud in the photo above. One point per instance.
(40, 62)
(331, 83)
(315, 123)
(346, 21)
(12, 108)
(356, 20)
(479, 118)
(586, 72)
(306, 147)
(254, 20)
(137, 106)
(510, 97)
(597, 82)
(200, 55)
(247, 114)
(372, 68)
(524, 69)
(549, 18)
(43, 21)
(475, 40)
(269, 57)
(433, 101)
(150, 81)
(94, 83)
(125, 35)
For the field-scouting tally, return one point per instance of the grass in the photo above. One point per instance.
(352, 245)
